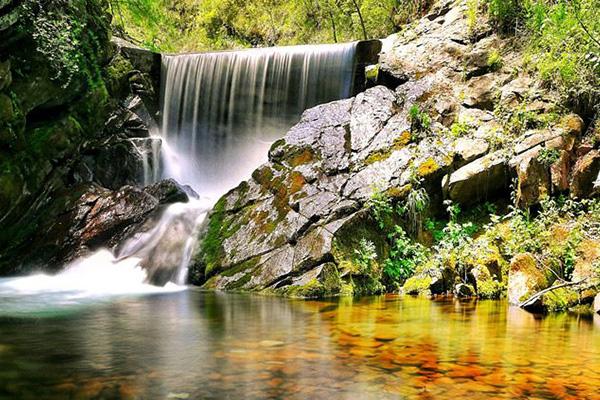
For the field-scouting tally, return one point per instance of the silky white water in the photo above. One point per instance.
(222, 111)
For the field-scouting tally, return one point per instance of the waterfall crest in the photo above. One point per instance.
(221, 111)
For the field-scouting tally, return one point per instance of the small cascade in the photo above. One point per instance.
(221, 111)
(166, 248)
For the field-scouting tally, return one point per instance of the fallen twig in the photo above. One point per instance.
(530, 301)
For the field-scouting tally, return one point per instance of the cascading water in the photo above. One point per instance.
(221, 111)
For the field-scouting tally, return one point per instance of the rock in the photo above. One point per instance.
(370, 111)
(477, 61)
(390, 78)
(168, 191)
(6, 108)
(469, 149)
(480, 93)
(463, 290)
(585, 173)
(597, 304)
(478, 180)
(524, 279)
(516, 91)
(559, 172)
(120, 162)
(596, 189)
(79, 220)
(101, 215)
(62, 142)
(431, 282)
(417, 285)
(533, 181)
(573, 125)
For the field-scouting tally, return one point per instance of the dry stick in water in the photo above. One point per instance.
(536, 296)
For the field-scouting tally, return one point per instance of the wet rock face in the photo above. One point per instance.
(169, 191)
(57, 138)
(87, 217)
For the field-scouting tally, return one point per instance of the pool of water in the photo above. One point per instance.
(198, 345)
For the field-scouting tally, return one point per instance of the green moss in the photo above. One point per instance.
(312, 289)
(300, 157)
(263, 176)
(418, 284)
(490, 289)
(380, 155)
(211, 248)
(117, 75)
(494, 60)
(560, 299)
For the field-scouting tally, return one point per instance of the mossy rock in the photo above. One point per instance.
(490, 289)
(117, 75)
(417, 285)
(524, 278)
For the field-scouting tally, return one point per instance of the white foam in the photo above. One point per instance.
(98, 275)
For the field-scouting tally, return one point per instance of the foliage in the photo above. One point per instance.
(494, 61)
(381, 207)
(472, 14)
(548, 156)
(365, 257)
(460, 128)
(405, 256)
(420, 121)
(64, 39)
(221, 24)
(563, 42)
(554, 233)
(413, 208)
(367, 278)
(405, 253)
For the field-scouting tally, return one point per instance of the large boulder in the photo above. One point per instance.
(478, 180)
(304, 207)
(524, 279)
(84, 218)
(585, 173)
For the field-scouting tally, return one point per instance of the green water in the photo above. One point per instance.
(199, 345)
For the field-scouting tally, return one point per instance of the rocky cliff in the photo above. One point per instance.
(76, 112)
(457, 120)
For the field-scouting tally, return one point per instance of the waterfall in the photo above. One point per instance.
(221, 111)
(220, 114)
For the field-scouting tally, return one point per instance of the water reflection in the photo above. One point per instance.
(211, 345)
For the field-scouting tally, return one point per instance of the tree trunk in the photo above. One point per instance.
(360, 17)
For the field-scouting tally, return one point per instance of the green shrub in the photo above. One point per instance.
(420, 121)
(405, 256)
(548, 156)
